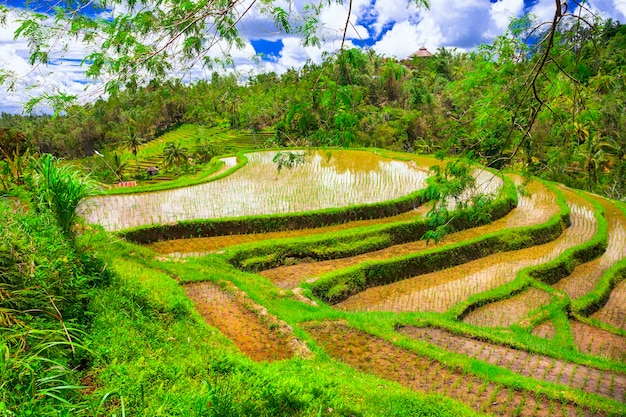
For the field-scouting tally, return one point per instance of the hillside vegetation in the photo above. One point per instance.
(472, 103)
(495, 286)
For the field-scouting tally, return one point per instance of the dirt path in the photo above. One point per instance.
(370, 354)
(585, 277)
(544, 368)
(537, 205)
(257, 334)
(439, 291)
(204, 245)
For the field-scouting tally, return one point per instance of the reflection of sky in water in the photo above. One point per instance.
(258, 188)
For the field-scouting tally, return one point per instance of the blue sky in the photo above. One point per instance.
(391, 27)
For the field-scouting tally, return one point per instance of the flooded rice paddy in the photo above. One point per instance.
(328, 179)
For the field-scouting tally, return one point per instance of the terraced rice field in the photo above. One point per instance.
(326, 180)
(245, 323)
(181, 248)
(371, 354)
(614, 312)
(544, 368)
(489, 332)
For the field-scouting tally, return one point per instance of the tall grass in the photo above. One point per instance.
(61, 188)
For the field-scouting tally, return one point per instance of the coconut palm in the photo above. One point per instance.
(175, 154)
(132, 140)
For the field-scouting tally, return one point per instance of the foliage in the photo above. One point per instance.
(175, 155)
(45, 287)
(453, 187)
(453, 103)
(207, 149)
(60, 189)
(289, 160)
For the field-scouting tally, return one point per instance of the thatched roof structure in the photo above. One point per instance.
(421, 53)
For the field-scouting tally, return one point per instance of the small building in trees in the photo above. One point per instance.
(421, 53)
(152, 170)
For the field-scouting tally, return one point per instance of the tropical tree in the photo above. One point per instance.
(145, 42)
(207, 149)
(175, 154)
(132, 140)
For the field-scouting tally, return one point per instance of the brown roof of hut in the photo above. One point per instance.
(422, 53)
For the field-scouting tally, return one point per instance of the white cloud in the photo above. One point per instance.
(615, 9)
(390, 11)
(404, 28)
(543, 10)
(295, 55)
(501, 14)
(63, 73)
(333, 21)
(405, 38)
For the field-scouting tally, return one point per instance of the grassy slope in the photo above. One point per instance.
(153, 350)
(154, 354)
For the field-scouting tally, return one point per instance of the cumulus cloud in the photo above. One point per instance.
(392, 27)
(615, 9)
(333, 21)
(501, 14)
(391, 11)
(406, 38)
(63, 73)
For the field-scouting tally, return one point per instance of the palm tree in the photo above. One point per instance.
(132, 140)
(175, 154)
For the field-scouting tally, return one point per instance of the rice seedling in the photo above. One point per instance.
(259, 189)
(439, 291)
(531, 365)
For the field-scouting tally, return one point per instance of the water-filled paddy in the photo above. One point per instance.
(335, 178)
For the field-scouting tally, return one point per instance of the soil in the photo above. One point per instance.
(595, 341)
(585, 277)
(547, 330)
(541, 367)
(370, 354)
(614, 311)
(507, 312)
(255, 332)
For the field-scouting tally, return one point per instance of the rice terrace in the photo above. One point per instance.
(518, 313)
(313, 209)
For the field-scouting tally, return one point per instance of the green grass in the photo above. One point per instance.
(150, 353)
(153, 350)
(151, 154)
